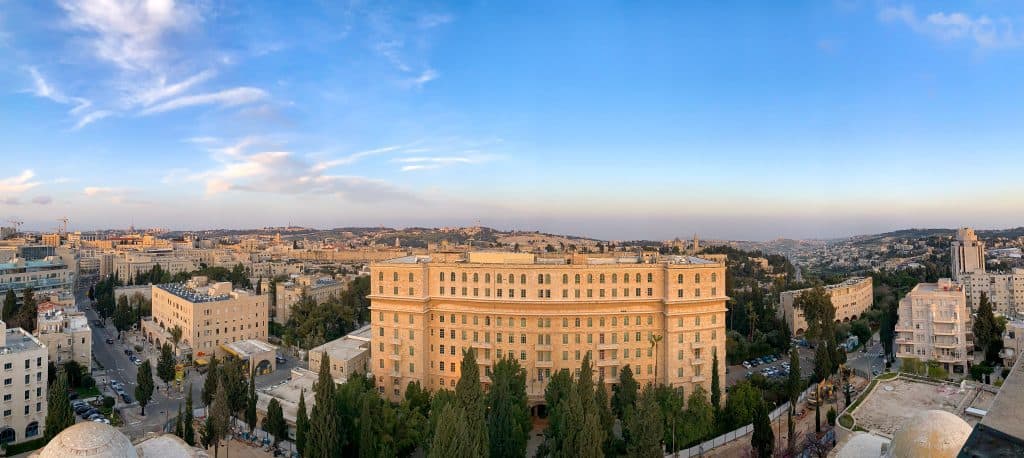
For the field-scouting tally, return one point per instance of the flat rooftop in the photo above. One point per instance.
(191, 295)
(502, 257)
(16, 341)
(246, 348)
(347, 347)
(287, 393)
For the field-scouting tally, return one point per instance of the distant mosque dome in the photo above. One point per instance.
(89, 439)
(932, 433)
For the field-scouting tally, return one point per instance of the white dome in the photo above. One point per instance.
(862, 445)
(167, 446)
(89, 439)
(932, 433)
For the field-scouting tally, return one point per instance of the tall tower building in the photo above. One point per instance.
(968, 254)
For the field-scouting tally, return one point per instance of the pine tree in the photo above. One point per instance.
(470, 396)
(508, 415)
(605, 416)
(165, 364)
(220, 412)
(625, 393)
(59, 414)
(763, 439)
(301, 425)
(189, 427)
(324, 440)
(210, 384)
(144, 385)
(645, 427)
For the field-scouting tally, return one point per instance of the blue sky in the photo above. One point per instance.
(618, 120)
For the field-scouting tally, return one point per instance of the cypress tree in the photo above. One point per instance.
(508, 416)
(470, 397)
(645, 427)
(189, 427)
(274, 423)
(716, 388)
(452, 437)
(625, 393)
(144, 385)
(10, 305)
(763, 439)
(301, 425)
(179, 424)
(324, 440)
(59, 414)
(605, 417)
(220, 413)
(250, 407)
(210, 384)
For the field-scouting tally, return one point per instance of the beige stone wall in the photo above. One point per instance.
(548, 317)
(933, 325)
(207, 325)
(23, 376)
(850, 299)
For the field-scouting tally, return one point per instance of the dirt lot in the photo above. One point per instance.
(893, 402)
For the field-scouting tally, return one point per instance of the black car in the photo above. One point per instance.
(81, 409)
(127, 352)
(280, 359)
(110, 341)
(89, 412)
(127, 399)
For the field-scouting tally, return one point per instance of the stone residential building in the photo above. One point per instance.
(66, 335)
(662, 315)
(933, 325)
(348, 354)
(317, 288)
(209, 314)
(968, 254)
(24, 362)
(851, 298)
(1013, 342)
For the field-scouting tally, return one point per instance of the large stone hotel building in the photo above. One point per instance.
(851, 299)
(548, 312)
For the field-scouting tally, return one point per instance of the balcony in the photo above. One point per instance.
(544, 364)
(542, 347)
(396, 341)
(904, 340)
(904, 328)
(697, 361)
(945, 344)
(484, 361)
(698, 379)
(394, 357)
(945, 332)
(480, 345)
(950, 359)
(697, 345)
(395, 374)
(607, 362)
(607, 346)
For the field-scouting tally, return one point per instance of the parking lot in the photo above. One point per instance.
(777, 367)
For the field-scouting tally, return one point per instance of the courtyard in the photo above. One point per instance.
(895, 401)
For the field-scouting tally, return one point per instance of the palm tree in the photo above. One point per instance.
(654, 340)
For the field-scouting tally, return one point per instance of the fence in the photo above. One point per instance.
(711, 444)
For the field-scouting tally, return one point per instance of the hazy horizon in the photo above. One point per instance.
(614, 121)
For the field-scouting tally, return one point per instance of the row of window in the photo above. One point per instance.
(545, 279)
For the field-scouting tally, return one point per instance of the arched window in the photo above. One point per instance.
(638, 278)
(498, 278)
(32, 430)
(380, 276)
(547, 278)
(487, 278)
(601, 278)
(540, 279)
(7, 436)
(590, 278)
(411, 276)
(625, 278)
(511, 278)
(650, 277)
(577, 278)
(476, 277)
(565, 278)
(615, 278)
(465, 277)
(522, 279)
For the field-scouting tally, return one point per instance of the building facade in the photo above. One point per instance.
(347, 355)
(46, 276)
(24, 375)
(209, 314)
(933, 325)
(662, 316)
(66, 335)
(318, 289)
(128, 265)
(850, 298)
(968, 253)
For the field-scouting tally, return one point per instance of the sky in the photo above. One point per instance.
(618, 120)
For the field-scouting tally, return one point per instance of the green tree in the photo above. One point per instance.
(274, 423)
(645, 427)
(762, 441)
(452, 439)
(123, 316)
(59, 414)
(716, 388)
(26, 316)
(165, 364)
(179, 424)
(418, 398)
(324, 438)
(250, 405)
(210, 384)
(624, 394)
(301, 425)
(10, 305)
(220, 411)
(189, 427)
(823, 361)
(742, 404)
(700, 418)
(208, 434)
(508, 415)
(793, 382)
(176, 333)
(470, 396)
(144, 385)
(791, 434)
(607, 419)
(91, 294)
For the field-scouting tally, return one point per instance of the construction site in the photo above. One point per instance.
(891, 403)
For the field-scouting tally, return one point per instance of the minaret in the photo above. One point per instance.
(696, 244)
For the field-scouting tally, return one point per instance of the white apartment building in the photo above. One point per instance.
(45, 276)
(968, 253)
(933, 325)
(23, 360)
(1005, 290)
(66, 335)
(319, 289)
(1013, 342)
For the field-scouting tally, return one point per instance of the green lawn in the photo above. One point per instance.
(846, 421)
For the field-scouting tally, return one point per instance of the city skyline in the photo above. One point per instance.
(812, 120)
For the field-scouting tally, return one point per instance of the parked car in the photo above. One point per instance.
(89, 413)
(280, 359)
(102, 420)
(746, 365)
(127, 399)
(128, 352)
(110, 341)
(138, 362)
(79, 410)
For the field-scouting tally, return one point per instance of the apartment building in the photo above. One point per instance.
(664, 316)
(66, 335)
(46, 276)
(968, 254)
(933, 325)
(129, 264)
(1005, 290)
(348, 354)
(318, 289)
(24, 375)
(851, 298)
(1013, 342)
(209, 314)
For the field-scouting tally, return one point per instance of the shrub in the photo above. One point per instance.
(108, 402)
(831, 416)
(88, 381)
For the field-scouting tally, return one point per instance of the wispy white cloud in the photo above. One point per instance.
(984, 31)
(18, 183)
(226, 98)
(43, 88)
(283, 172)
(427, 76)
(129, 33)
(436, 162)
(161, 90)
(429, 21)
(352, 158)
(92, 117)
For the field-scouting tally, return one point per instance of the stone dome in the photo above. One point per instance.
(89, 439)
(932, 433)
(863, 445)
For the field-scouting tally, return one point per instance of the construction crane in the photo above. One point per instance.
(63, 225)
(16, 223)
